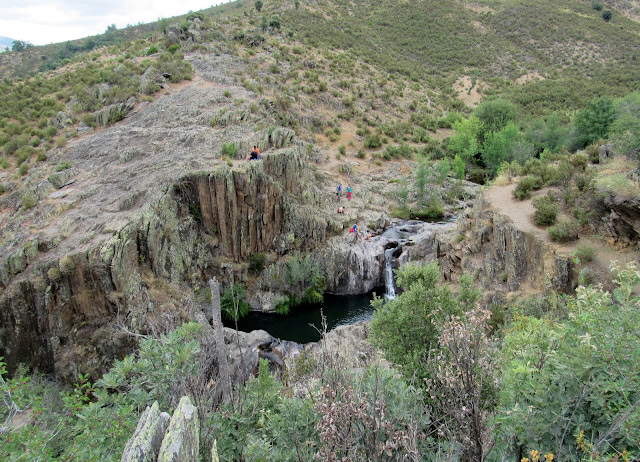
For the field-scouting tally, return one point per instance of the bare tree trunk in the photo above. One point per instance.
(224, 376)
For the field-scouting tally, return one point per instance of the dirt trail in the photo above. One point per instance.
(521, 215)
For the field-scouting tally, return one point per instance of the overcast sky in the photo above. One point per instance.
(41, 22)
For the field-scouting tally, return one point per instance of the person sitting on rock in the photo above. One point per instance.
(368, 238)
(341, 210)
(256, 149)
(253, 155)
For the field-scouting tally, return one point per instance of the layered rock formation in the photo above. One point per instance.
(62, 314)
(501, 256)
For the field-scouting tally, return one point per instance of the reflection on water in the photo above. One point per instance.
(339, 310)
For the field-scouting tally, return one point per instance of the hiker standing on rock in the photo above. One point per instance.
(349, 191)
(338, 192)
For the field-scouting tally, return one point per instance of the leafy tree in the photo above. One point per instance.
(594, 121)
(625, 130)
(258, 5)
(498, 147)
(465, 142)
(495, 114)
(19, 46)
(607, 15)
(577, 377)
(403, 327)
(458, 167)
(274, 22)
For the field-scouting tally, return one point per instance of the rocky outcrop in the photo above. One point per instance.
(144, 445)
(158, 438)
(356, 266)
(623, 222)
(111, 114)
(182, 440)
(501, 256)
(61, 315)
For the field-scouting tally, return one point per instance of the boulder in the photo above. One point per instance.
(606, 151)
(144, 445)
(182, 440)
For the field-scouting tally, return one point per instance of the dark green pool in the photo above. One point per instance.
(339, 310)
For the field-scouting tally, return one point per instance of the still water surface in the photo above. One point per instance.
(339, 310)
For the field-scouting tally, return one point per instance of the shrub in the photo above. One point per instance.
(229, 149)
(258, 5)
(1, 188)
(24, 168)
(546, 212)
(361, 154)
(564, 231)
(152, 50)
(256, 262)
(372, 141)
(342, 149)
(66, 265)
(274, 22)
(28, 200)
(232, 303)
(585, 253)
(606, 15)
(63, 166)
(526, 185)
(596, 6)
(173, 48)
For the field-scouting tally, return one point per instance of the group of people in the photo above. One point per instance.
(339, 192)
(255, 154)
(358, 235)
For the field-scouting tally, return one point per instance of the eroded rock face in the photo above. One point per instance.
(502, 256)
(182, 440)
(356, 266)
(144, 445)
(623, 223)
(61, 315)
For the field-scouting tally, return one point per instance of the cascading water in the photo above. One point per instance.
(390, 290)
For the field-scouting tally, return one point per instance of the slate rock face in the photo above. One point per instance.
(505, 257)
(182, 440)
(144, 445)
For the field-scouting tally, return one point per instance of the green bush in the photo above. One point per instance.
(372, 141)
(564, 231)
(229, 149)
(233, 304)
(546, 212)
(63, 166)
(607, 15)
(28, 200)
(526, 185)
(585, 252)
(256, 262)
(152, 50)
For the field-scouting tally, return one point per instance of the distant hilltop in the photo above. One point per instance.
(5, 43)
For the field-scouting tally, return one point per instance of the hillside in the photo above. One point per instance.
(125, 189)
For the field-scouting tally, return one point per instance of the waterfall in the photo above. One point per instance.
(390, 291)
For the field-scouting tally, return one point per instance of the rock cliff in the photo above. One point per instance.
(501, 256)
(61, 311)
